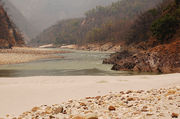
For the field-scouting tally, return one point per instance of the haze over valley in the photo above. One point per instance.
(44, 13)
(89, 59)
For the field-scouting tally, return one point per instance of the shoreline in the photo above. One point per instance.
(109, 47)
(19, 55)
(22, 94)
(14, 58)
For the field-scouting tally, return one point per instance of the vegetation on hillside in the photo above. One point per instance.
(165, 27)
(161, 22)
(153, 41)
(101, 24)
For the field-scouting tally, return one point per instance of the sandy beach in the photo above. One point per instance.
(22, 94)
(25, 54)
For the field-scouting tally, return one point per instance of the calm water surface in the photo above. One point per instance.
(73, 64)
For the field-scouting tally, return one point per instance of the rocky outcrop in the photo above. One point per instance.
(9, 35)
(162, 59)
(114, 58)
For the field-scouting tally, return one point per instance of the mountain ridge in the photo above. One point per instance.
(29, 31)
(44, 13)
(94, 26)
(9, 34)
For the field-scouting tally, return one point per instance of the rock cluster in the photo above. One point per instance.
(160, 59)
(153, 104)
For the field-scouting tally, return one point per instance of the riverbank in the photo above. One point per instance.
(163, 58)
(21, 94)
(110, 47)
(24, 54)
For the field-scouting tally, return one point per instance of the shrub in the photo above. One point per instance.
(177, 2)
(164, 28)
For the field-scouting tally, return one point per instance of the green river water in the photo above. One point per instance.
(86, 63)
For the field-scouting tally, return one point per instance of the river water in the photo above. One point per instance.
(86, 63)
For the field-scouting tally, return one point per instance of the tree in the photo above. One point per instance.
(177, 2)
(164, 28)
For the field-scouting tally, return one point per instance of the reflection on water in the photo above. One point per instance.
(7, 73)
(76, 63)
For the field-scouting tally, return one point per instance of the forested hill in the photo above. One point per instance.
(101, 24)
(45, 13)
(153, 41)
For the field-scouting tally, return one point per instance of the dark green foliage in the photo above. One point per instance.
(165, 27)
(161, 22)
(140, 30)
(177, 2)
(153, 12)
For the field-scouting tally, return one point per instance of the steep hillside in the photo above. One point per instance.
(101, 24)
(44, 13)
(29, 31)
(155, 45)
(9, 35)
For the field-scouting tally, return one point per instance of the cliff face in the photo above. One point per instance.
(23, 24)
(9, 35)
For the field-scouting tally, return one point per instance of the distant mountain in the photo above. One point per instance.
(20, 21)
(44, 13)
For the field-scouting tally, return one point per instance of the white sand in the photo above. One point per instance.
(18, 95)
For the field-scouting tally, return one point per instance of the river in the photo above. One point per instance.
(86, 63)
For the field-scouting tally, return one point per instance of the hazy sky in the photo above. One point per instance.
(43, 13)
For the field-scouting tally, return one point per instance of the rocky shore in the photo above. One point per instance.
(161, 103)
(162, 59)
(24, 54)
